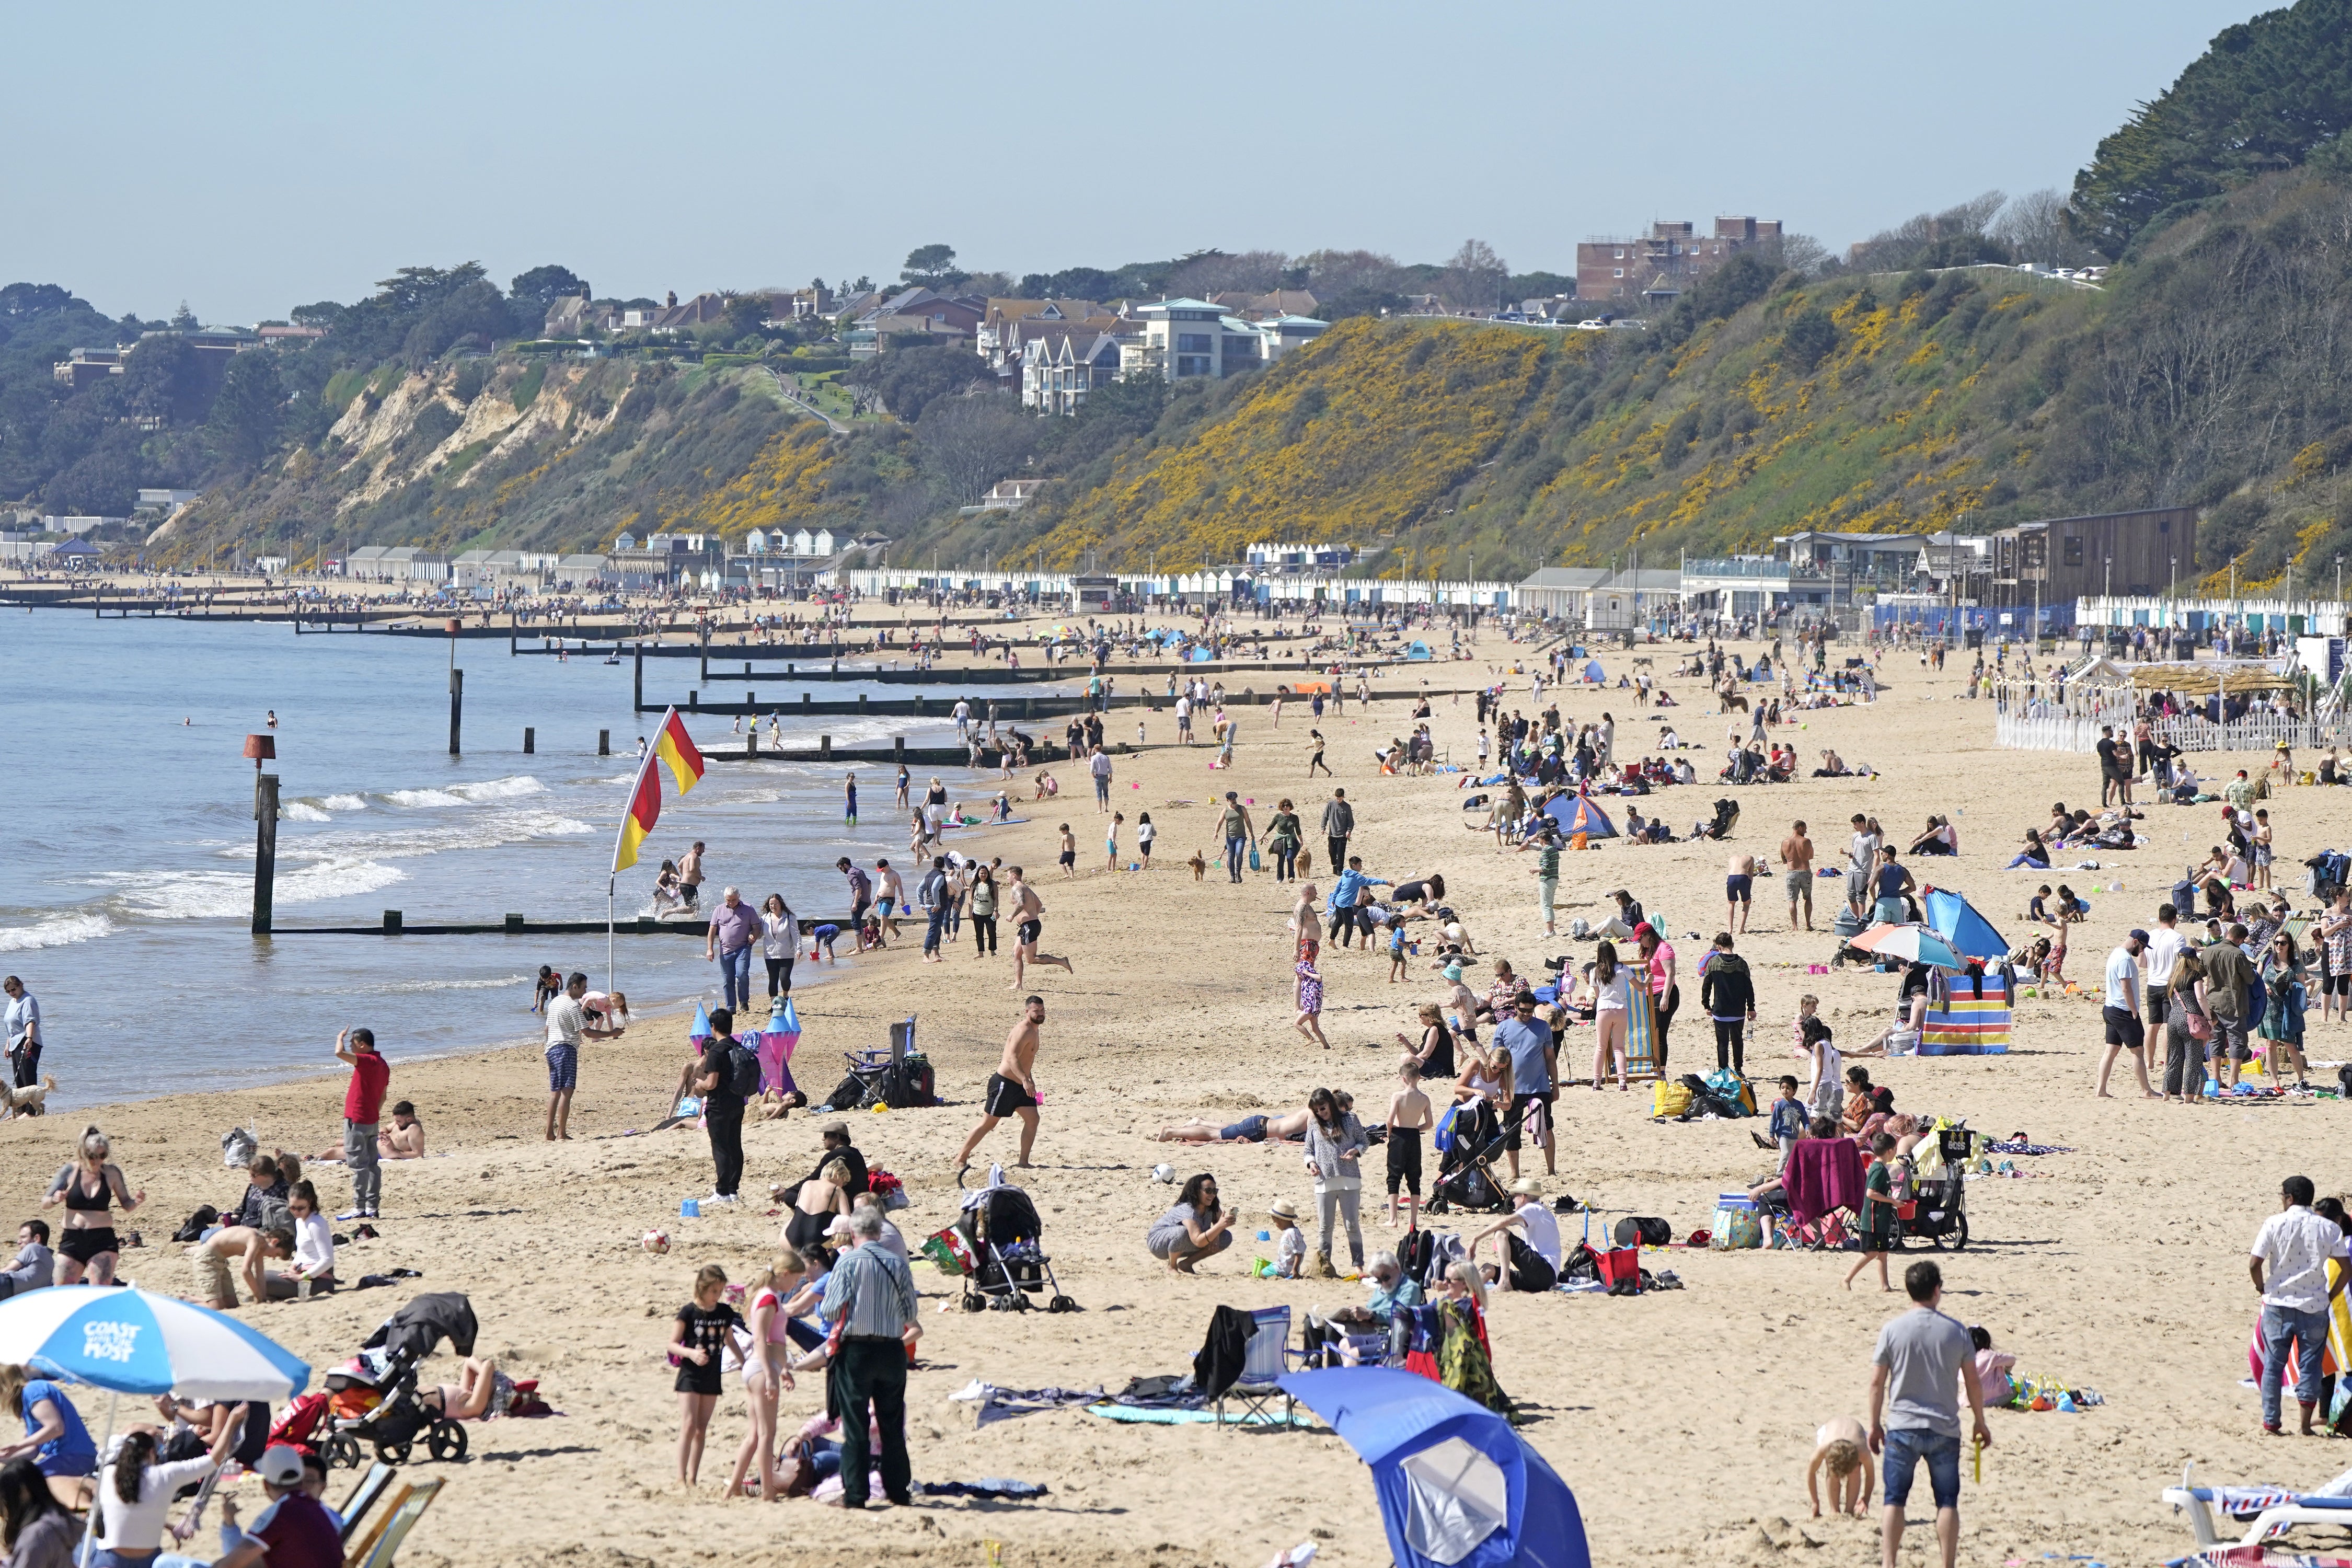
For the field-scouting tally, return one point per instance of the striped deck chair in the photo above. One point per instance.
(1967, 1016)
(1641, 1031)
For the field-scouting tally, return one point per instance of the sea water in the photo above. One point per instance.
(126, 870)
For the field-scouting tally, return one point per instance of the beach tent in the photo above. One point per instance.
(1200, 655)
(700, 1028)
(1581, 813)
(1592, 672)
(1953, 917)
(1457, 1487)
(1418, 652)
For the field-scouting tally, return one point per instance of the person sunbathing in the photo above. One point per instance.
(1841, 1445)
(775, 1104)
(481, 1393)
(405, 1138)
(1287, 1128)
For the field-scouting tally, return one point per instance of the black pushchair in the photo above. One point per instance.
(398, 1417)
(1007, 1239)
(1465, 1176)
(1939, 1207)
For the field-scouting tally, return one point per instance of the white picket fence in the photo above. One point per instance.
(2041, 727)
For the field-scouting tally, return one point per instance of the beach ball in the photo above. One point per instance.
(1164, 1174)
(655, 1241)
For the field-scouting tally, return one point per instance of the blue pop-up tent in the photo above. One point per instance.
(1956, 919)
(1417, 652)
(1457, 1487)
(1581, 813)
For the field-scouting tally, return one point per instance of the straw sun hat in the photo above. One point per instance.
(1528, 1187)
(1283, 1208)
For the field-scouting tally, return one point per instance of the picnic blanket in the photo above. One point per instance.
(1162, 1416)
(1005, 1403)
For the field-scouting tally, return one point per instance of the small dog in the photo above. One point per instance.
(1199, 866)
(26, 1102)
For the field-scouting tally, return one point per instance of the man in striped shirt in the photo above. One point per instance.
(870, 1298)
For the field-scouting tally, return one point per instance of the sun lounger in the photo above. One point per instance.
(2273, 1510)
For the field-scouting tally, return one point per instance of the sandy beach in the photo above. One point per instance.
(1681, 1419)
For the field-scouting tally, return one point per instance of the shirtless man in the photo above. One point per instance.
(1252, 1129)
(1028, 911)
(1739, 887)
(405, 1138)
(1013, 1088)
(689, 874)
(1797, 854)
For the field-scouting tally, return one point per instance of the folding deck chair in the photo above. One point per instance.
(380, 1543)
(1262, 1363)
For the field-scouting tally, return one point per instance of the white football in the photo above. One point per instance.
(655, 1241)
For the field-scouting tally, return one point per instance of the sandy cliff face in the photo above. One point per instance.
(378, 434)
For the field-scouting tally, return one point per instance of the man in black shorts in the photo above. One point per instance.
(1012, 1088)
(1020, 901)
(2124, 997)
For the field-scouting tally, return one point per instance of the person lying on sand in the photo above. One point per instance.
(481, 1391)
(1841, 1445)
(1286, 1129)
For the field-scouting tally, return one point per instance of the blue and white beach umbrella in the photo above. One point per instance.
(133, 1342)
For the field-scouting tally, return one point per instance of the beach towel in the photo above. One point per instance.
(2334, 1355)
(996, 1403)
(995, 1487)
(1823, 1174)
(1163, 1417)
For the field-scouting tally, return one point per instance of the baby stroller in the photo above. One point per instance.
(1001, 1225)
(381, 1385)
(1938, 1206)
(1465, 1178)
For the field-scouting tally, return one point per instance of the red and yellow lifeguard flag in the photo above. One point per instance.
(674, 746)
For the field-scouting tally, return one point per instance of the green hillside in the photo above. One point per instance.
(2209, 372)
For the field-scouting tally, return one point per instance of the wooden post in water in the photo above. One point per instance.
(265, 850)
(530, 739)
(640, 699)
(824, 747)
(706, 653)
(603, 742)
(456, 707)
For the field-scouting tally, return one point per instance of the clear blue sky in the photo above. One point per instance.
(253, 157)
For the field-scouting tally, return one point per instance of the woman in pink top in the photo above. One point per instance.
(1657, 962)
(765, 1372)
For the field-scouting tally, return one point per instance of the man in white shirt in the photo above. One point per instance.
(2295, 1243)
(1860, 859)
(567, 1026)
(2121, 1012)
(1534, 1224)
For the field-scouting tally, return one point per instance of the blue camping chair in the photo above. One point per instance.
(1264, 1363)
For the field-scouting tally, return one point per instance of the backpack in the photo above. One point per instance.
(908, 1084)
(742, 1069)
(1414, 1254)
(206, 1215)
(1643, 1230)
